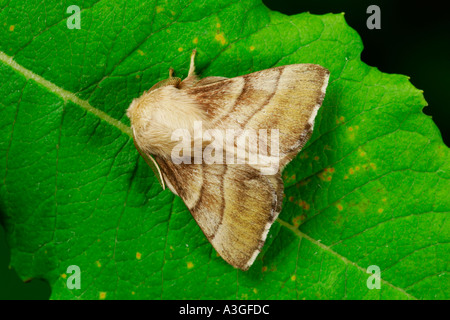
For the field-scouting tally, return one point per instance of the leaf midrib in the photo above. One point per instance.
(69, 96)
(64, 94)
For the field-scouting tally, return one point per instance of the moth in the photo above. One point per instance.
(234, 202)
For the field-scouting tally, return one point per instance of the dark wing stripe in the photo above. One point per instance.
(215, 91)
(195, 208)
(269, 97)
(222, 196)
(202, 190)
(245, 89)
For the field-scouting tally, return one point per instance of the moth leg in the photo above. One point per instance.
(191, 78)
(170, 72)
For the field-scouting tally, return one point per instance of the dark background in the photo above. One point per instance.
(414, 40)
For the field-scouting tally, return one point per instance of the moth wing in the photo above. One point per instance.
(235, 225)
(286, 98)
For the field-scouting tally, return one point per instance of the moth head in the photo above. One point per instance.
(133, 109)
(158, 113)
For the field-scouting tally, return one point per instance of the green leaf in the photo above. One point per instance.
(370, 188)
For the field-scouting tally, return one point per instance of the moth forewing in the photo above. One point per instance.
(234, 203)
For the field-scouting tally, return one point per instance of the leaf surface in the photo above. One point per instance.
(370, 188)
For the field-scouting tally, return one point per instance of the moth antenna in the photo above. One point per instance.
(192, 65)
(171, 72)
(191, 78)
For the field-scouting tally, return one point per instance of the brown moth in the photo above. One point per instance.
(234, 204)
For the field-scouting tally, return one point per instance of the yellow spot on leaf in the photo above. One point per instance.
(340, 207)
(64, 276)
(218, 25)
(357, 168)
(324, 175)
(138, 255)
(98, 264)
(380, 210)
(255, 290)
(138, 76)
(374, 167)
(362, 153)
(296, 221)
(289, 179)
(351, 171)
(384, 200)
(11, 28)
(345, 177)
(133, 293)
(141, 52)
(190, 265)
(159, 9)
(102, 295)
(168, 30)
(293, 278)
(356, 127)
(195, 41)
(316, 158)
(304, 204)
(252, 48)
(340, 120)
(180, 49)
(264, 269)
(350, 129)
(305, 182)
(221, 38)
